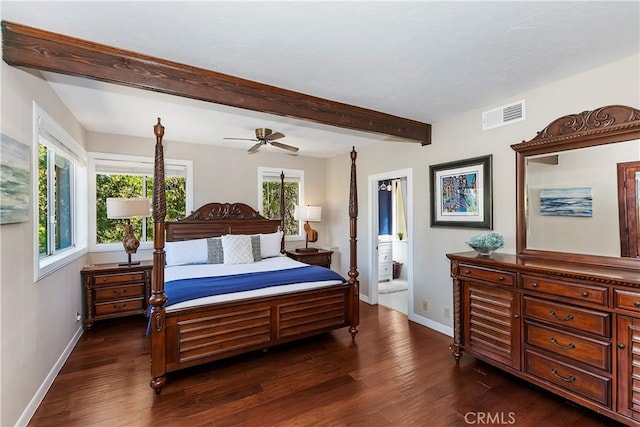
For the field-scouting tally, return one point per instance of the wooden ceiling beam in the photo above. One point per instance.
(43, 50)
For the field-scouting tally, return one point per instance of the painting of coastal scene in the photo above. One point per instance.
(14, 181)
(566, 201)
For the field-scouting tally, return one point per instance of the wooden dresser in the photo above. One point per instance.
(111, 290)
(569, 328)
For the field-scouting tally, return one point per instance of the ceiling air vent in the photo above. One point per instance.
(504, 115)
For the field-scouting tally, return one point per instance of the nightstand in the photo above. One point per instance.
(321, 258)
(110, 290)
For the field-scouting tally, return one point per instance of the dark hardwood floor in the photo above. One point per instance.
(397, 373)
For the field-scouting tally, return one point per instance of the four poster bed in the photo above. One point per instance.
(193, 332)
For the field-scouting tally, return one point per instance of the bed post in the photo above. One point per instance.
(158, 297)
(354, 299)
(282, 211)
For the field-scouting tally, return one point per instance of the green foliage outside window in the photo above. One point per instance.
(271, 203)
(128, 186)
(42, 200)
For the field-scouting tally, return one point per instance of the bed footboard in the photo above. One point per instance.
(203, 334)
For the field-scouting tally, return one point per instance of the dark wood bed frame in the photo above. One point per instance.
(193, 336)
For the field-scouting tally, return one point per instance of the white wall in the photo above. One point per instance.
(37, 319)
(459, 138)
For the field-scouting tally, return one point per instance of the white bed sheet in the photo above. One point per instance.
(211, 270)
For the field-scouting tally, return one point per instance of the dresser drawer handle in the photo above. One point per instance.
(501, 278)
(620, 346)
(564, 319)
(467, 271)
(637, 304)
(567, 380)
(119, 292)
(566, 347)
(585, 294)
(119, 307)
(534, 285)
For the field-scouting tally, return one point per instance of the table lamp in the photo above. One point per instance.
(308, 214)
(121, 208)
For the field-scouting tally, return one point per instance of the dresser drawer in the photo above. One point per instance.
(120, 306)
(119, 292)
(626, 300)
(488, 275)
(112, 279)
(572, 379)
(568, 316)
(592, 352)
(579, 292)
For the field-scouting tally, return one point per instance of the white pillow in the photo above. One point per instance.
(237, 249)
(186, 252)
(270, 244)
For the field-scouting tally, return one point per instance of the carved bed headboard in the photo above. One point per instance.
(215, 219)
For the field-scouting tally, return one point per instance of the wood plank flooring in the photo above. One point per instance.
(397, 373)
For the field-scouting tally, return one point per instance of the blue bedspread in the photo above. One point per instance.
(187, 289)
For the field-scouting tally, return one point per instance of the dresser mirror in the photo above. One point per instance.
(577, 188)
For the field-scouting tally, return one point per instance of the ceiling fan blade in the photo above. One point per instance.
(283, 146)
(255, 148)
(274, 136)
(242, 139)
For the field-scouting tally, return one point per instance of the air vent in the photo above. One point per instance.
(504, 115)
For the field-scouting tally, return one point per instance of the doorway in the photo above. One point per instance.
(391, 241)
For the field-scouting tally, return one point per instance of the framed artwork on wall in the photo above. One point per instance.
(15, 176)
(461, 193)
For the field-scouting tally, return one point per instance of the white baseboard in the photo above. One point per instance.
(439, 327)
(48, 381)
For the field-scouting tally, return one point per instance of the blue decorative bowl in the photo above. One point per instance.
(484, 250)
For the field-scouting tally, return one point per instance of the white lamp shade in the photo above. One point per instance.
(127, 208)
(308, 213)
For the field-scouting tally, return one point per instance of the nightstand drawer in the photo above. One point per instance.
(119, 292)
(119, 306)
(112, 279)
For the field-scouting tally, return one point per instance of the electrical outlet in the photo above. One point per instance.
(78, 316)
(425, 305)
(447, 313)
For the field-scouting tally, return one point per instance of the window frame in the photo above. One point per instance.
(266, 172)
(59, 142)
(98, 158)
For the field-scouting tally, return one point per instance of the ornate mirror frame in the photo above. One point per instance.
(604, 125)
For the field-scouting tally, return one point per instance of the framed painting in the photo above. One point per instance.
(461, 193)
(566, 201)
(15, 175)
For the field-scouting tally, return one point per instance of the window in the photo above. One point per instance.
(114, 175)
(60, 173)
(269, 196)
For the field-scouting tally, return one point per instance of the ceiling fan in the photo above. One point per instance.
(267, 136)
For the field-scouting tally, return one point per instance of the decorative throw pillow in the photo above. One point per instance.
(186, 252)
(255, 247)
(215, 254)
(237, 249)
(270, 244)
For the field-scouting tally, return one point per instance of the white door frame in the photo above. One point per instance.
(373, 233)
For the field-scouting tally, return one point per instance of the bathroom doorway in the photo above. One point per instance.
(391, 243)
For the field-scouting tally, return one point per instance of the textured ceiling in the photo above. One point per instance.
(422, 60)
